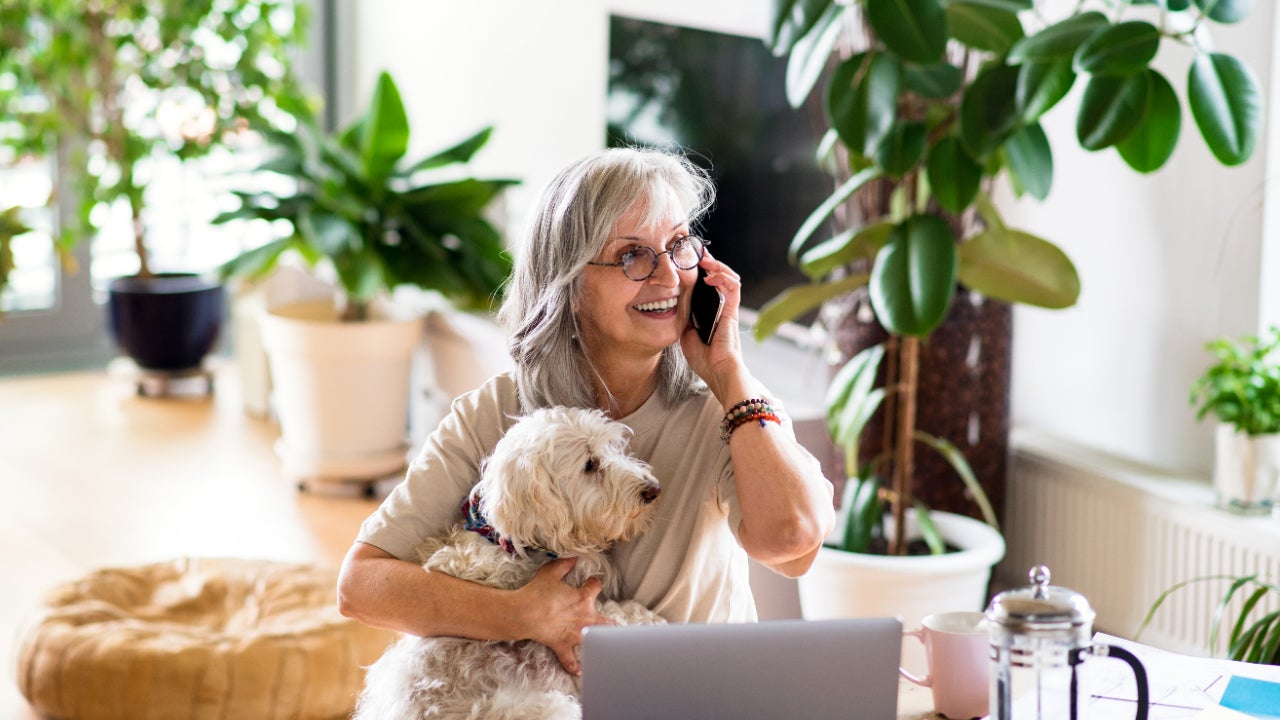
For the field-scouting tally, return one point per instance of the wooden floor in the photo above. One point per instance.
(91, 476)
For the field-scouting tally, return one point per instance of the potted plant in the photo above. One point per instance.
(93, 83)
(1242, 390)
(1252, 637)
(928, 106)
(374, 221)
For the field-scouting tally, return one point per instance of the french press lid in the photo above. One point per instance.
(1041, 611)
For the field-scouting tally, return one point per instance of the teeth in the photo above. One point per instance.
(658, 306)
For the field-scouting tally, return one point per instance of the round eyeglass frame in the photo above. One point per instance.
(653, 257)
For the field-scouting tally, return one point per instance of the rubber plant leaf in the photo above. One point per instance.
(1059, 41)
(828, 206)
(385, 136)
(984, 27)
(1122, 49)
(1225, 11)
(810, 54)
(800, 299)
(862, 100)
(932, 81)
(901, 148)
(953, 174)
(1018, 267)
(913, 278)
(1152, 143)
(791, 20)
(852, 397)
(1031, 160)
(914, 30)
(1226, 103)
(989, 110)
(848, 246)
(1112, 107)
(1041, 85)
(1010, 5)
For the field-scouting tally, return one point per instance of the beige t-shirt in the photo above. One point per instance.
(688, 567)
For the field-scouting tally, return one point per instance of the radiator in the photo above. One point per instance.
(1121, 533)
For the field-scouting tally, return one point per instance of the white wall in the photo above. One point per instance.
(1167, 261)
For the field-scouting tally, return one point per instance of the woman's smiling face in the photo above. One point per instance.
(616, 313)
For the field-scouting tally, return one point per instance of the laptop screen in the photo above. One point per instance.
(774, 670)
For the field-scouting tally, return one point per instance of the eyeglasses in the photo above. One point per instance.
(640, 262)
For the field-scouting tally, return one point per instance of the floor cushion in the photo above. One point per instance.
(196, 638)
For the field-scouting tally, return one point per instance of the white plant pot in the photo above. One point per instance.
(1246, 470)
(849, 585)
(341, 390)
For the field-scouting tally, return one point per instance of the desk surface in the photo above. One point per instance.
(914, 702)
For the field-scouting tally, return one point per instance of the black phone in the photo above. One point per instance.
(705, 305)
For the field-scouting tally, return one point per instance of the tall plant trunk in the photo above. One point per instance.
(904, 440)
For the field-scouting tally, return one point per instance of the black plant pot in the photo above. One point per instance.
(166, 322)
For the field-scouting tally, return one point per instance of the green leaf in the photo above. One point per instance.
(914, 30)
(914, 276)
(1010, 5)
(1111, 109)
(848, 246)
(1152, 143)
(1040, 86)
(852, 398)
(983, 27)
(862, 100)
(929, 529)
(791, 20)
(459, 153)
(932, 81)
(385, 136)
(1058, 41)
(800, 299)
(810, 54)
(901, 149)
(1226, 102)
(957, 460)
(1018, 267)
(1225, 11)
(988, 111)
(1122, 49)
(828, 206)
(862, 514)
(953, 175)
(1031, 160)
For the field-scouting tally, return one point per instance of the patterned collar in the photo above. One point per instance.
(477, 523)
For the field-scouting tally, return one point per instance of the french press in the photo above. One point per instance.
(1039, 636)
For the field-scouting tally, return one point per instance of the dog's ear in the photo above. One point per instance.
(516, 488)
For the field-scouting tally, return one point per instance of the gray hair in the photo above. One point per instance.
(570, 226)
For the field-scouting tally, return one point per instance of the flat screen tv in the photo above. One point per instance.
(721, 97)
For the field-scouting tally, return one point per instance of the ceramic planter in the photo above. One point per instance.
(168, 322)
(842, 584)
(341, 390)
(1246, 470)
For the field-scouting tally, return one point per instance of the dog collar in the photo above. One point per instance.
(475, 522)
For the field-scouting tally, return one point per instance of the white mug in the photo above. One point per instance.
(955, 645)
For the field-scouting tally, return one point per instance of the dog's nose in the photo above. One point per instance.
(650, 493)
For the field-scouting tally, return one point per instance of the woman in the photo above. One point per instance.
(598, 316)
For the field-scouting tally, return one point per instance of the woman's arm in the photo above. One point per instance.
(378, 589)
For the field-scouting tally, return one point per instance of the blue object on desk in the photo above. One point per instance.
(1258, 698)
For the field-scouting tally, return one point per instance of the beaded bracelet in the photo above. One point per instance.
(749, 410)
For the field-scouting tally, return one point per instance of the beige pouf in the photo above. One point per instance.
(200, 638)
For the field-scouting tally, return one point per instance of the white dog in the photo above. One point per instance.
(559, 484)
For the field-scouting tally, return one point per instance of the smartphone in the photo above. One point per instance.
(705, 305)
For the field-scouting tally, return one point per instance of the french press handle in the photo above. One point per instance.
(1139, 676)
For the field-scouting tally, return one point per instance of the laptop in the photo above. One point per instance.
(774, 670)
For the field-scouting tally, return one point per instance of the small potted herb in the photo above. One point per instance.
(1242, 390)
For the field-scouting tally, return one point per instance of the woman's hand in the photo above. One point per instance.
(720, 362)
(558, 612)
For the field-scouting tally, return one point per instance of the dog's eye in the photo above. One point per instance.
(592, 465)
